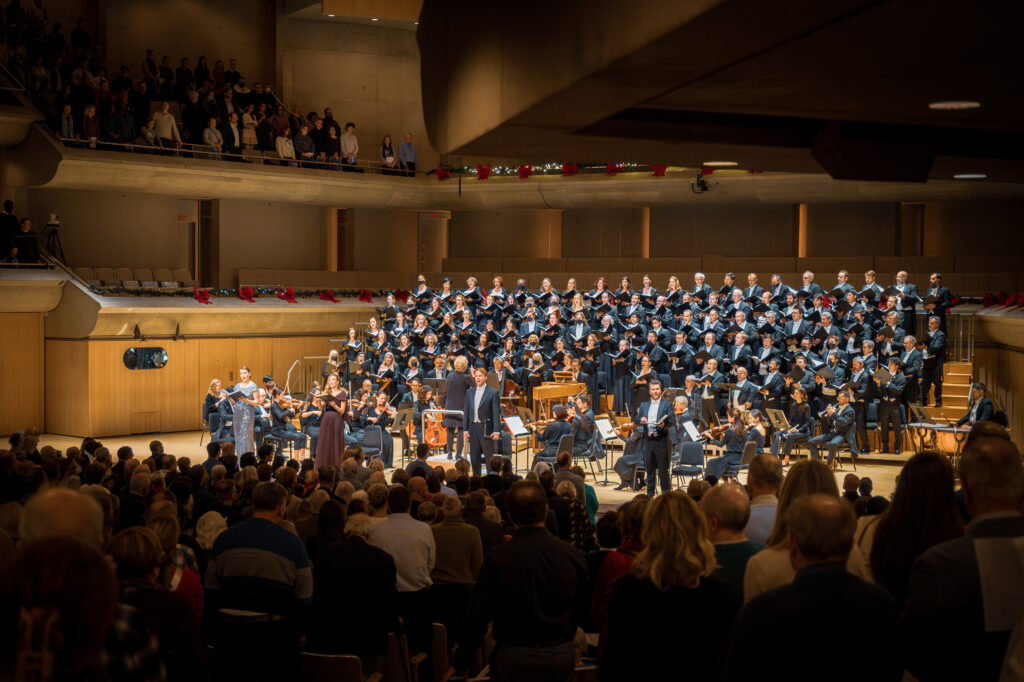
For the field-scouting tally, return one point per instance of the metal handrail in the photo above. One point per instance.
(20, 87)
(443, 413)
(250, 155)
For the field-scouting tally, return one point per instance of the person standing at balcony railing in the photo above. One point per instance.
(212, 138)
(166, 127)
(68, 130)
(305, 151)
(285, 148)
(387, 156)
(407, 155)
(349, 144)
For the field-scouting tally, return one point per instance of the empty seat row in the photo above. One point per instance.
(137, 278)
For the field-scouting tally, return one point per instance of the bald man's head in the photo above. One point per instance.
(727, 507)
(60, 512)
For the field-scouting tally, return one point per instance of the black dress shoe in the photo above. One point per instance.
(622, 486)
(938, 404)
(883, 451)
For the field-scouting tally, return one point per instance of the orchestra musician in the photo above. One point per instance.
(841, 425)
(309, 418)
(551, 435)
(281, 413)
(216, 411)
(581, 418)
(380, 413)
(799, 430)
(733, 440)
(481, 420)
(932, 361)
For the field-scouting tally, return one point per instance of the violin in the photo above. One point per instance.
(717, 430)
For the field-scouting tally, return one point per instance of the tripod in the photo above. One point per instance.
(53, 245)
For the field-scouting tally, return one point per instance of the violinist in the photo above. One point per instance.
(309, 417)
(581, 417)
(281, 412)
(424, 401)
(217, 411)
(733, 440)
(799, 430)
(379, 413)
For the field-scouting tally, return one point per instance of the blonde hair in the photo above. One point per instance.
(677, 550)
(806, 477)
(211, 390)
(461, 363)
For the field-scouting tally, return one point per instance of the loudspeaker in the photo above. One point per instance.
(868, 151)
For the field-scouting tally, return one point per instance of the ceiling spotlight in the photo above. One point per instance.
(954, 105)
(969, 176)
(720, 164)
(374, 19)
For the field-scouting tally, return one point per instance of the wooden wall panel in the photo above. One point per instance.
(96, 395)
(21, 371)
(1002, 371)
(67, 388)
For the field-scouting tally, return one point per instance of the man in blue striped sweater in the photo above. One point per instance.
(259, 587)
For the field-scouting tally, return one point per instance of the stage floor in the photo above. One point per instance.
(186, 444)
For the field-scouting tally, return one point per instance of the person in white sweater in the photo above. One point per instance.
(771, 567)
(166, 127)
(285, 148)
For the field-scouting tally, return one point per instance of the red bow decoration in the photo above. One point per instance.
(246, 293)
(1001, 297)
(365, 295)
(754, 172)
(202, 295)
(525, 171)
(955, 301)
(443, 174)
(707, 171)
(328, 296)
(659, 171)
(988, 300)
(1011, 300)
(612, 169)
(402, 295)
(287, 295)
(483, 172)
(570, 169)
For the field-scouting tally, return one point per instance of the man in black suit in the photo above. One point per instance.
(980, 410)
(481, 420)
(821, 530)
(889, 395)
(931, 365)
(861, 380)
(940, 307)
(654, 417)
(232, 132)
(753, 290)
(963, 593)
(908, 301)
(810, 287)
(843, 428)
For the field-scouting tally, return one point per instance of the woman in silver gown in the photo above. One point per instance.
(243, 412)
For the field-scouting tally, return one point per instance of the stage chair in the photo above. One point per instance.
(373, 441)
(691, 462)
(749, 453)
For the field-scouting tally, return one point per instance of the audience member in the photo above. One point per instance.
(459, 556)
(771, 568)
(674, 573)
(411, 544)
(727, 510)
(619, 562)
(764, 478)
(838, 606)
(531, 592)
(964, 593)
(491, 533)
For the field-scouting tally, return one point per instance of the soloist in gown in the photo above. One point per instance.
(243, 420)
(330, 444)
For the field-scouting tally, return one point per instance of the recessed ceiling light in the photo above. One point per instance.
(415, 23)
(954, 105)
(330, 15)
(374, 19)
(720, 164)
(969, 176)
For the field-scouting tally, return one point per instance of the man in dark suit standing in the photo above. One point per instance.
(654, 417)
(963, 594)
(945, 299)
(980, 410)
(908, 301)
(931, 365)
(232, 132)
(481, 420)
(821, 529)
